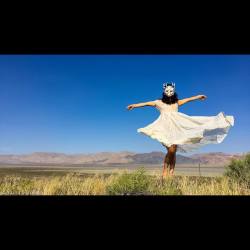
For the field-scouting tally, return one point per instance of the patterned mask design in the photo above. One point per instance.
(169, 88)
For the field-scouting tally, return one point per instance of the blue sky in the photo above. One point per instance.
(77, 103)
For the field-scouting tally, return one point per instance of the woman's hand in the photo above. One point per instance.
(202, 97)
(130, 107)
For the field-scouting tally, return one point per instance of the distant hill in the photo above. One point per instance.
(158, 157)
(122, 157)
(216, 158)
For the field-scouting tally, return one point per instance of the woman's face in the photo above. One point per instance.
(169, 90)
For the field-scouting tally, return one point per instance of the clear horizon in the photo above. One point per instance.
(77, 103)
(178, 153)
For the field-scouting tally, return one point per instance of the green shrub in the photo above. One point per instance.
(168, 186)
(130, 184)
(239, 170)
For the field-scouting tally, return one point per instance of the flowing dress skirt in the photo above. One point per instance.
(189, 133)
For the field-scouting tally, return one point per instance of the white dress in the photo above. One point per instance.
(187, 132)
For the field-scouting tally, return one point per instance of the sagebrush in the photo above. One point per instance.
(124, 183)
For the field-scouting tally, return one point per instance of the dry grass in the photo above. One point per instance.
(70, 184)
(119, 183)
(211, 186)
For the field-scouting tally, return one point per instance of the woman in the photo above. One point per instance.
(179, 132)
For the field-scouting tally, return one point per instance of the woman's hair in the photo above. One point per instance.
(169, 99)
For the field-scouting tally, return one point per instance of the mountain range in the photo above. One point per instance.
(122, 157)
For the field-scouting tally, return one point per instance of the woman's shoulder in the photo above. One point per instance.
(158, 102)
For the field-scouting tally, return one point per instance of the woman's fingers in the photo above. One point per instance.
(203, 97)
(129, 107)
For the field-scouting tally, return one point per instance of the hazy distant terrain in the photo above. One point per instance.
(52, 174)
(58, 170)
(55, 164)
(123, 157)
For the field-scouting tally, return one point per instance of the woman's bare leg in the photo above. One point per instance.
(165, 165)
(172, 151)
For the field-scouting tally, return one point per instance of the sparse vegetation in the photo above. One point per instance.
(130, 183)
(239, 170)
(124, 183)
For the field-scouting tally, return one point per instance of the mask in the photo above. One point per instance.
(169, 88)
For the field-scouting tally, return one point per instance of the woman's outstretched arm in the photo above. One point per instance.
(142, 104)
(193, 98)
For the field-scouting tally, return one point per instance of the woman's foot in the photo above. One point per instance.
(171, 172)
(164, 176)
(165, 173)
